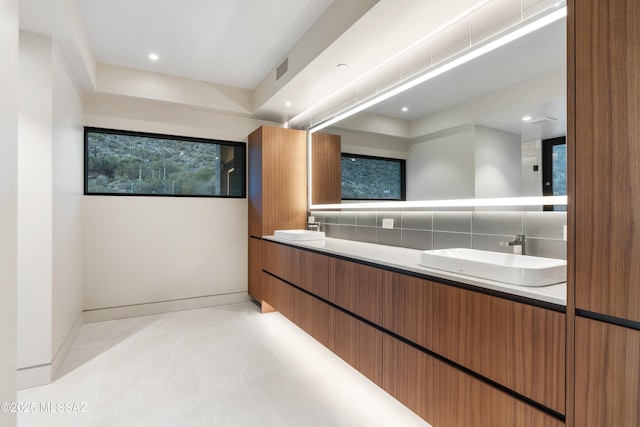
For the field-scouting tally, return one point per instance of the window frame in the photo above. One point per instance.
(547, 168)
(235, 144)
(403, 176)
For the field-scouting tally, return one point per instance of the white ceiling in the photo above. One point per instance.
(230, 42)
(237, 43)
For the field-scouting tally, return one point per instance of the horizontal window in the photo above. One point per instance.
(145, 164)
(372, 178)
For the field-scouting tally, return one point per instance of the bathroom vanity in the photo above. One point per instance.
(455, 350)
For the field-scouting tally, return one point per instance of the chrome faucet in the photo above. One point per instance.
(517, 243)
(313, 226)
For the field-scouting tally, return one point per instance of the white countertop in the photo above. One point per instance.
(409, 260)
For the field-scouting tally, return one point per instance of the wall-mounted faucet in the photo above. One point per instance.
(313, 226)
(517, 243)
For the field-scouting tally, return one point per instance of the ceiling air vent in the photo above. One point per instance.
(282, 68)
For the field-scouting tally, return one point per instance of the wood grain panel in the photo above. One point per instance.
(313, 272)
(357, 343)
(608, 375)
(447, 397)
(514, 344)
(357, 288)
(461, 400)
(519, 346)
(408, 375)
(279, 295)
(312, 315)
(284, 179)
(280, 260)
(326, 168)
(255, 269)
(407, 302)
(607, 129)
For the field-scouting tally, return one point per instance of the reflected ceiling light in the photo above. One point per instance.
(288, 104)
(153, 57)
(405, 109)
(454, 203)
(526, 118)
(463, 59)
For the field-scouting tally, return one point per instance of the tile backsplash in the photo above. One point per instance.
(439, 230)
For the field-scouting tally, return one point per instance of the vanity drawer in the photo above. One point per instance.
(279, 295)
(448, 397)
(519, 346)
(357, 288)
(280, 260)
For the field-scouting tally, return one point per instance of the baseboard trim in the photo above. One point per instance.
(34, 376)
(66, 345)
(135, 310)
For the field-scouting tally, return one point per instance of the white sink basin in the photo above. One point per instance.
(521, 270)
(300, 234)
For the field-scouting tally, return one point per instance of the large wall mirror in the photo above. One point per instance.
(475, 131)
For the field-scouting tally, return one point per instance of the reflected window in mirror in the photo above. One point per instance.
(372, 178)
(554, 169)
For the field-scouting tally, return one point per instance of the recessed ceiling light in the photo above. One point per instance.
(405, 109)
(342, 66)
(153, 57)
(526, 118)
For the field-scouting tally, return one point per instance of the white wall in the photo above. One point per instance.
(50, 166)
(141, 250)
(532, 156)
(442, 166)
(8, 207)
(371, 144)
(35, 228)
(464, 162)
(498, 163)
(68, 168)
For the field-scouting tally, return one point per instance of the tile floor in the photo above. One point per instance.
(219, 366)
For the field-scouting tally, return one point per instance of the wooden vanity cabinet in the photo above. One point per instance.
(356, 342)
(314, 317)
(357, 288)
(517, 345)
(607, 372)
(450, 354)
(447, 397)
(326, 168)
(280, 260)
(277, 189)
(280, 296)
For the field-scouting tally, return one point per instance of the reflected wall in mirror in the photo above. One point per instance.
(475, 131)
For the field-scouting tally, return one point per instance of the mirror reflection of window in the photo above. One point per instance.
(372, 178)
(554, 169)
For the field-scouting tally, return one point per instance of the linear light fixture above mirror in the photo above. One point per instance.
(514, 33)
(454, 203)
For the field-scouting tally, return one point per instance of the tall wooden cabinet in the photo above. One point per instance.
(277, 191)
(326, 168)
(604, 102)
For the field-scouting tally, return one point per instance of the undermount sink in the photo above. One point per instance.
(521, 270)
(300, 234)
